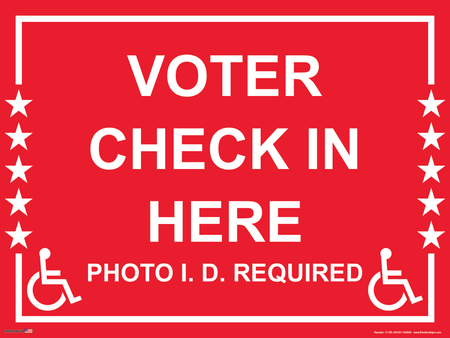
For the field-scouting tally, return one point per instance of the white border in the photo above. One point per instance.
(20, 19)
(20, 318)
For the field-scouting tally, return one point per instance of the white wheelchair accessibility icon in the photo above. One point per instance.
(44, 254)
(384, 275)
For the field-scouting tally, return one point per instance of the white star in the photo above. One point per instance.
(431, 104)
(431, 203)
(431, 170)
(431, 137)
(18, 104)
(18, 137)
(18, 170)
(431, 236)
(18, 203)
(18, 236)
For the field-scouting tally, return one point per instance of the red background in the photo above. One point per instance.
(371, 76)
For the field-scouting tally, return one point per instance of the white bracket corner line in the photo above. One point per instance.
(227, 319)
(20, 19)
(429, 318)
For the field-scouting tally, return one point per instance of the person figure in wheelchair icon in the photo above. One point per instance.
(44, 254)
(384, 275)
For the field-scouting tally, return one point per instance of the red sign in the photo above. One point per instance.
(181, 174)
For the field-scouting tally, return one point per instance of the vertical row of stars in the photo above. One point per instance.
(18, 170)
(431, 171)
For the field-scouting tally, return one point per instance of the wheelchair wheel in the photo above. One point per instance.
(35, 302)
(377, 303)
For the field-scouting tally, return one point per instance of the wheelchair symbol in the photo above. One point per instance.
(44, 254)
(384, 275)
